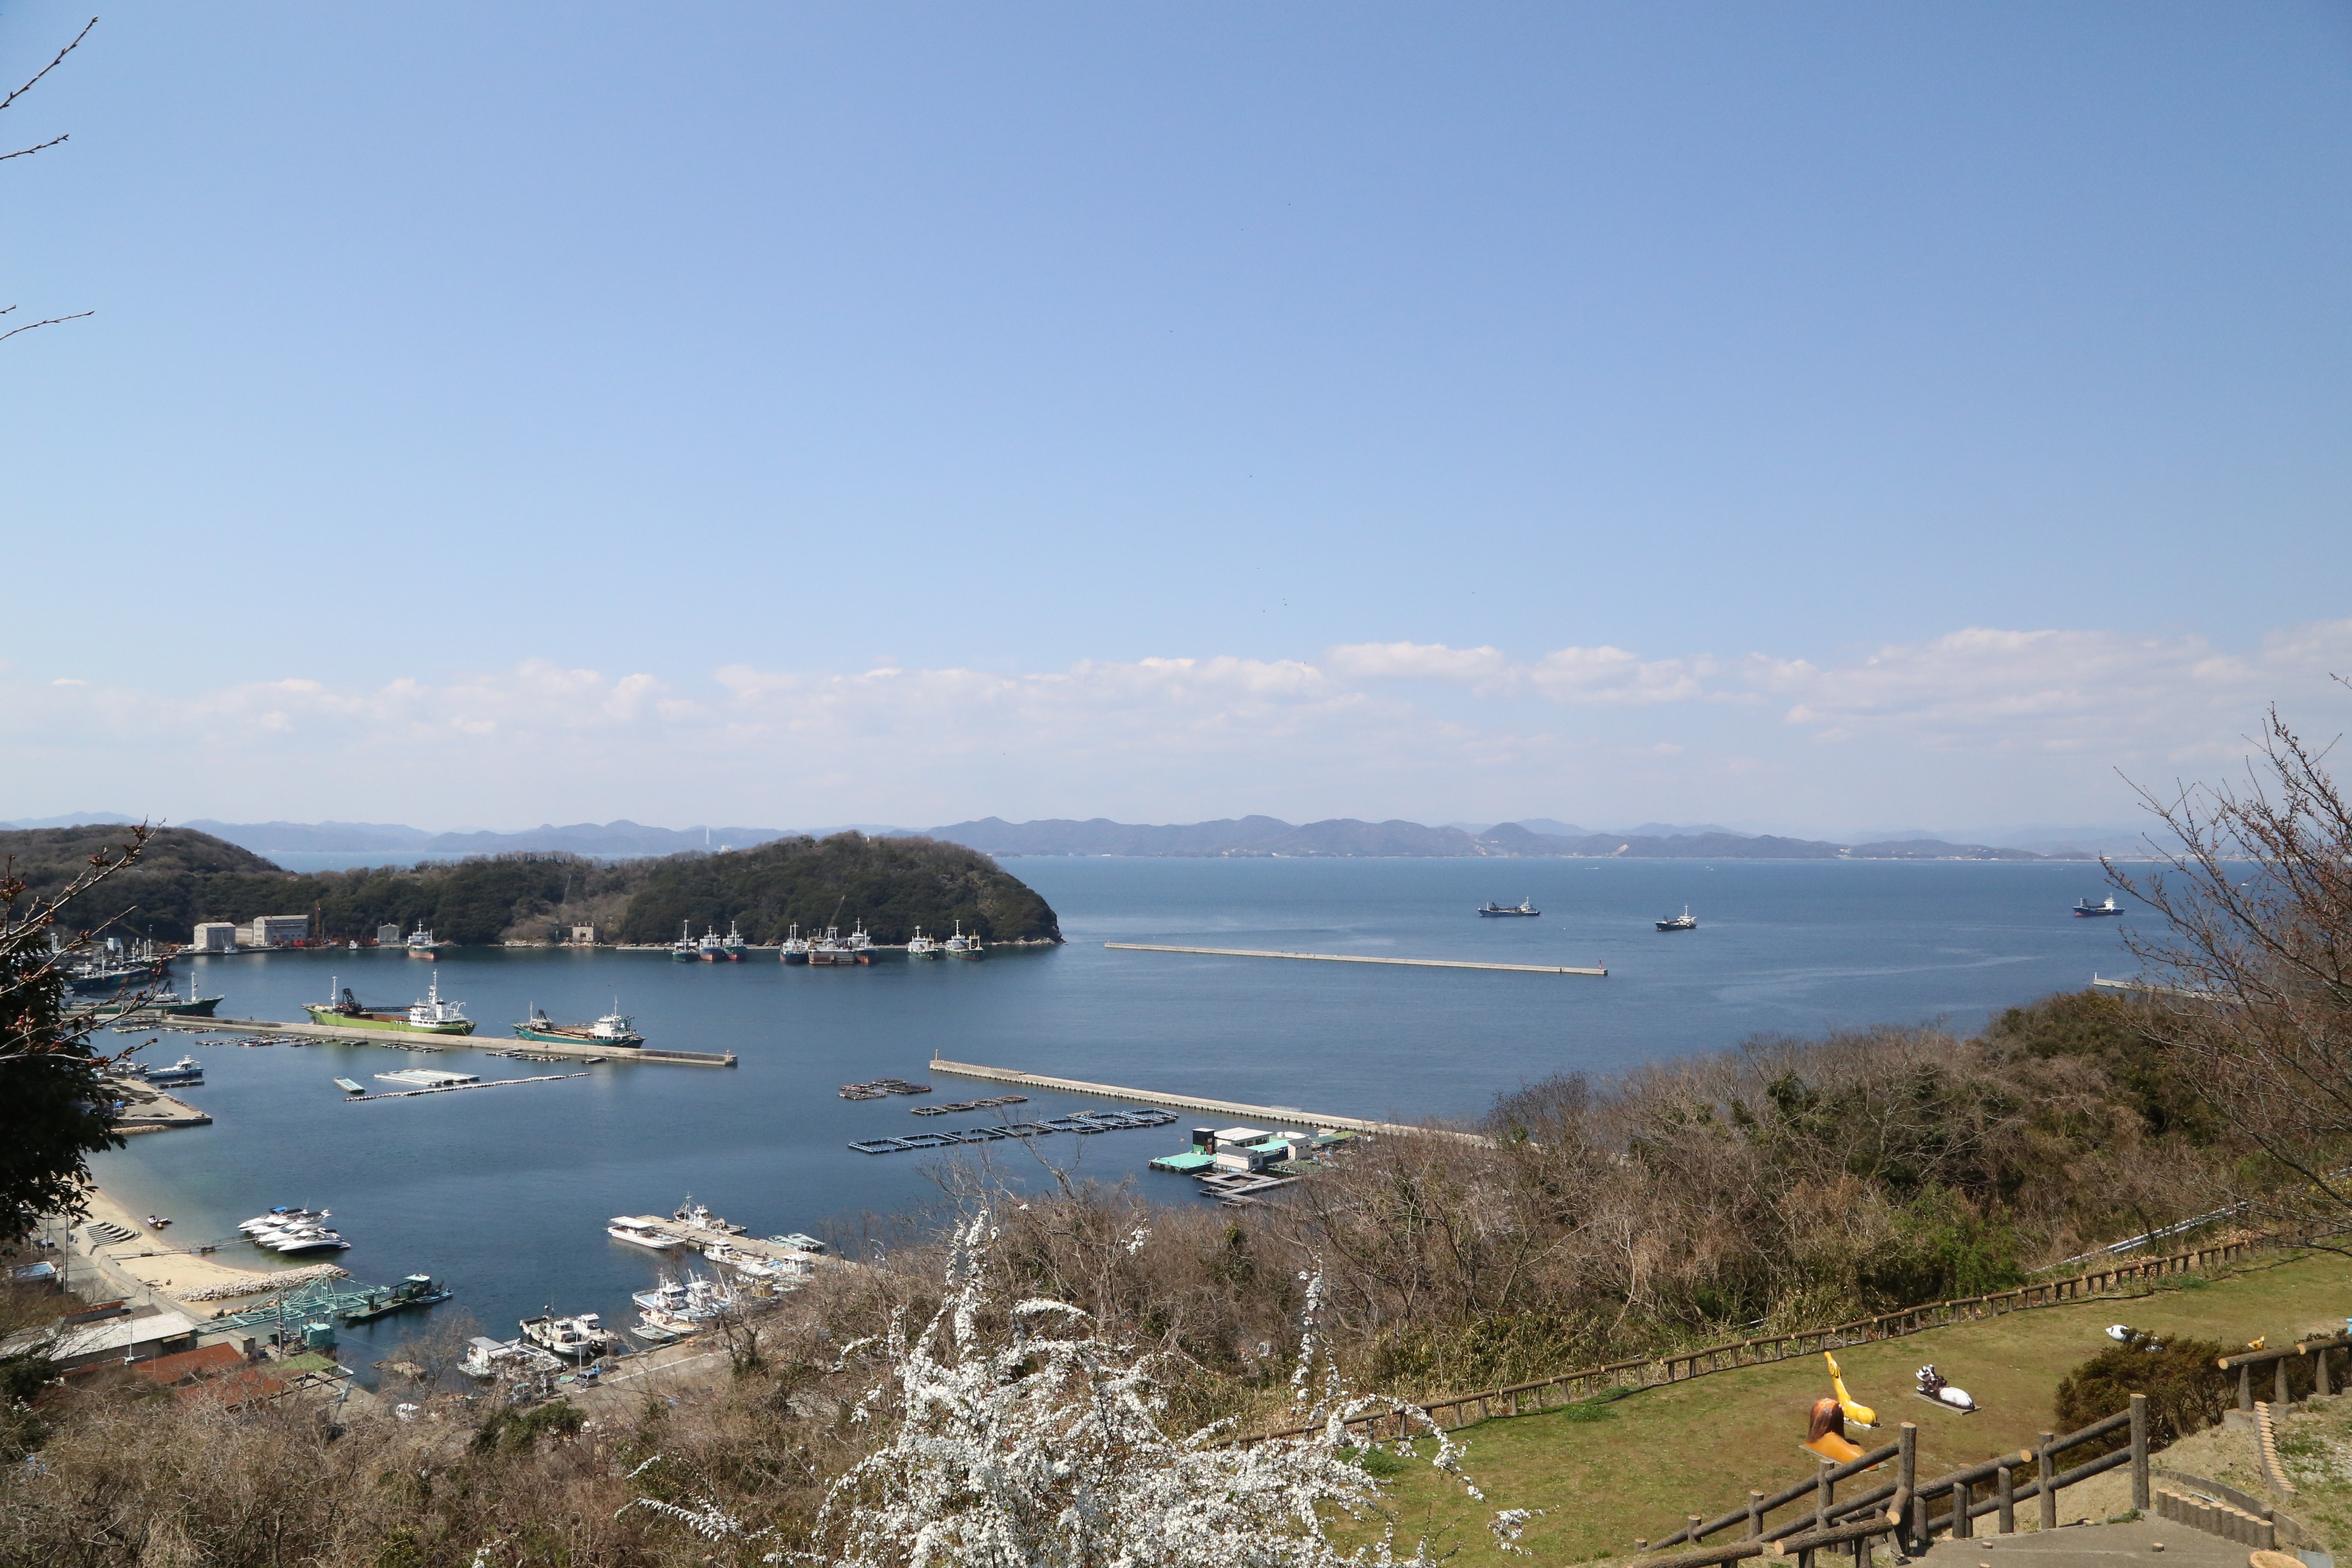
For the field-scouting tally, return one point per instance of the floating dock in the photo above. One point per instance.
(404, 1039)
(1360, 958)
(1278, 1114)
(450, 1083)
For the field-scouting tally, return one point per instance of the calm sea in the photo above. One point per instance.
(506, 1191)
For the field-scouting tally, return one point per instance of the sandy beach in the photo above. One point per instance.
(153, 1263)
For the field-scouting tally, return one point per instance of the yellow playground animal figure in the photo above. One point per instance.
(1860, 1414)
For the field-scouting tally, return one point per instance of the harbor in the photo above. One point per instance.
(1595, 971)
(403, 1040)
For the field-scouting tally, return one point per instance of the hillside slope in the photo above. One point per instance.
(891, 884)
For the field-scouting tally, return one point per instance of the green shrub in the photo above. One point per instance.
(1589, 1410)
(2185, 1390)
(1378, 1463)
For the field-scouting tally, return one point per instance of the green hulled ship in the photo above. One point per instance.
(613, 1030)
(430, 1016)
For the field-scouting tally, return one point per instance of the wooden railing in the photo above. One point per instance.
(1904, 1507)
(1645, 1372)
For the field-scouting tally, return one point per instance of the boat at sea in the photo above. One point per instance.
(348, 1087)
(795, 949)
(581, 1337)
(186, 1070)
(2085, 909)
(420, 942)
(1682, 921)
(430, 1016)
(921, 946)
(830, 951)
(642, 1233)
(1524, 907)
(279, 1218)
(295, 1240)
(712, 948)
(416, 1291)
(487, 1358)
(683, 950)
(961, 946)
(734, 944)
(615, 1029)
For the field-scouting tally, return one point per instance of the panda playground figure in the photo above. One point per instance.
(1933, 1386)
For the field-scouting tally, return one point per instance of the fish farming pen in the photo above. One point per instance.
(320, 1300)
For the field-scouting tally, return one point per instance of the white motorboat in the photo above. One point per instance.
(583, 1337)
(642, 1233)
(313, 1239)
(799, 1239)
(280, 1219)
(683, 1307)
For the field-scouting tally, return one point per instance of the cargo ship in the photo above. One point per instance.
(167, 1000)
(615, 1029)
(1524, 907)
(430, 1016)
(2085, 909)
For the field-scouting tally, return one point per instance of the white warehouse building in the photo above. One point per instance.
(276, 930)
(213, 936)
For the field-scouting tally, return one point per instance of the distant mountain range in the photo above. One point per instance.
(1233, 836)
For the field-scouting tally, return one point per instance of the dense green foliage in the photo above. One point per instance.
(2185, 1389)
(891, 884)
(54, 1102)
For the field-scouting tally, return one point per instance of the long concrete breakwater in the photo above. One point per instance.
(416, 1039)
(1279, 1115)
(1360, 958)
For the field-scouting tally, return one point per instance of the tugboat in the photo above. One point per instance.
(1524, 907)
(1682, 921)
(430, 1016)
(920, 946)
(795, 949)
(2085, 909)
(683, 950)
(615, 1028)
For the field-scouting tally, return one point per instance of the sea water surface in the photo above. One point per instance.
(506, 1191)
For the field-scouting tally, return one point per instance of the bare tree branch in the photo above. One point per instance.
(43, 147)
(52, 321)
(53, 65)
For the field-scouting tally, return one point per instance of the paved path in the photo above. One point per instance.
(2092, 1546)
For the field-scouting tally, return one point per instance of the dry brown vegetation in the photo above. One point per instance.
(1785, 1183)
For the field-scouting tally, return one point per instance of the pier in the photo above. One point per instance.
(412, 1039)
(1596, 973)
(1277, 1114)
(454, 1088)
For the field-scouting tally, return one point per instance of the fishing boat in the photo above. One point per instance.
(583, 1337)
(111, 979)
(683, 950)
(420, 942)
(187, 1070)
(697, 1217)
(642, 1233)
(166, 1001)
(1682, 921)
(2085, 909)
(416, 1291)
(795, 949)
(734, 944)
(430, 1016)
(615, 1030)
(1524, 907)
(683, 1307)
(959, 945)
(921, 946)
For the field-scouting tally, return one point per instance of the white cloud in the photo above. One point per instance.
(2018, 724)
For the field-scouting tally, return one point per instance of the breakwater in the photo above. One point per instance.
(1596, 972)
(1277, 1114)
(411, 1039)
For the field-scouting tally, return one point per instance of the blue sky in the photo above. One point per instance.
(1796, 415)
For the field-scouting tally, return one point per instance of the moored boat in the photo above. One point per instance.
(712, 948)
(615, 1029)
(186, 1070)
(641, 1232)
(959, 945)
(733, 944)
(683, 950)
(416, 1291)
(795, 949)
(485, 1358)
(166, 1001)
(420, 942)
(920, 946)
(430, 1016)
(583, 1337)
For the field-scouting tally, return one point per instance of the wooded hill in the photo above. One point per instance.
(184, 876)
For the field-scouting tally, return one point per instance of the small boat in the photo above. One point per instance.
(583, 1337)
(187, 1070)
(615, 1029)
(640, 1233)
(697, 1217)
(795, 949)
(157, 1222)
(1524, 907)
(280, 1218)
(1682, 921)
(799, 1240)
(959, 945)
(920, 946)
(2085, 909)
(683, 1307)
(416, 1291)
(300, 1239)
(348, 1087)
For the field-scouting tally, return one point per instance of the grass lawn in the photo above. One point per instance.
(1634, 1467)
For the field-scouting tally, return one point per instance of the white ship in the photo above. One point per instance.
(581, 1338)
(642, 1233)
(921, 946)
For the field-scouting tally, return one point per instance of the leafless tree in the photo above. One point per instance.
(2252, 972)
(58, 140)
(36, 944)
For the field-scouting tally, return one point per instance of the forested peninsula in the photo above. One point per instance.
(892, 885)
